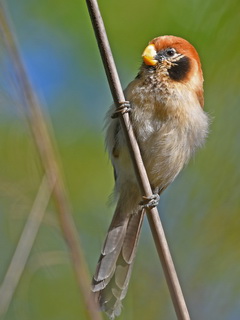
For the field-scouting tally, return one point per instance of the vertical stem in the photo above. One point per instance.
(140, 171)
(24, 246)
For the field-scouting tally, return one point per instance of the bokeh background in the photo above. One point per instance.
(200, 211)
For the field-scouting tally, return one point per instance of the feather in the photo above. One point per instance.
(111, 280)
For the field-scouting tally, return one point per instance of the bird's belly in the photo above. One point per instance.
(164, 154)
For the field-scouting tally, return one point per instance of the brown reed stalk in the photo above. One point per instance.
(140, 171)
(24, 246)
(50, 163)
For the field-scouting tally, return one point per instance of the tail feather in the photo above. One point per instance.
(110, 252)
(110, 282)
(132, 236)
(114, 236)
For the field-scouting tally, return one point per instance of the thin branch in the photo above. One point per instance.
(24, 246)
(153, 216)
(50, 163)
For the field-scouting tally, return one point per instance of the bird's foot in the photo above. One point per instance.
(151, 201)
(123, 107)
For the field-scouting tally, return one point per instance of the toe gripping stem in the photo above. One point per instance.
(151, 201)
(123, 107)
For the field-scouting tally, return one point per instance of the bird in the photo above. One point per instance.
(166, 111)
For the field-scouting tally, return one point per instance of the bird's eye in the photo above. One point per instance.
(170, 52)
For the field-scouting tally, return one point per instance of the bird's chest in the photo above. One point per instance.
(147, 102)
(151, 110)
(145, 125)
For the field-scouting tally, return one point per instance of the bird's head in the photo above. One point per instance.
(177, 55)
(174, 58)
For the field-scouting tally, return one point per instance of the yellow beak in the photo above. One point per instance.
(149, 54)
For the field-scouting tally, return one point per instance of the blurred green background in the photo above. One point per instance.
(200, 211)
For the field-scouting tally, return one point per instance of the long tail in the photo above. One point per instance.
(111, 279)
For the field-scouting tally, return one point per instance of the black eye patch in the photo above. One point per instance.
(180, 69)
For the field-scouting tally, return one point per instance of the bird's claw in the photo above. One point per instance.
(123, 107)
(151, 201)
